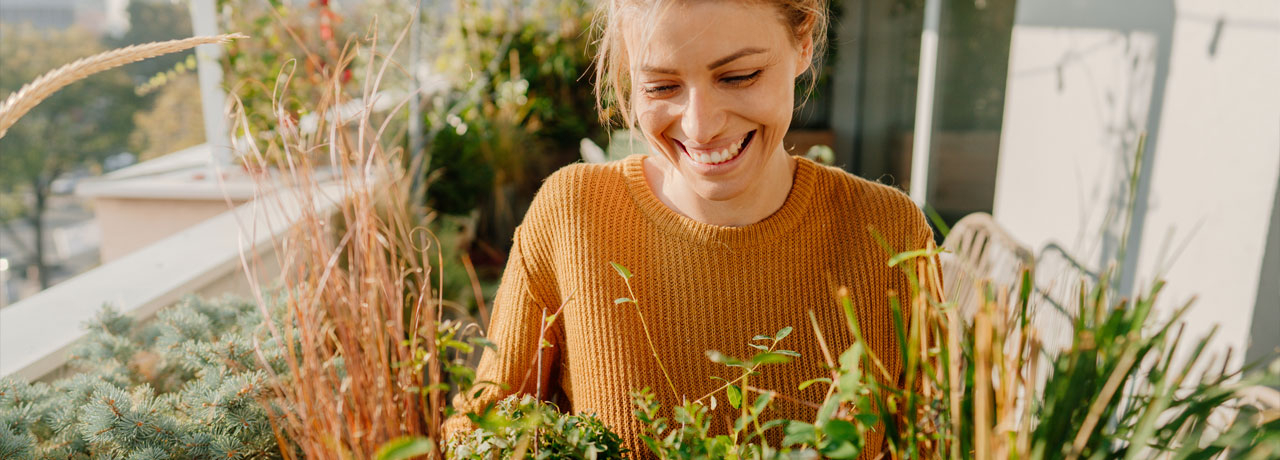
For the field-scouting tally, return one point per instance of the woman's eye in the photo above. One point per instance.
(739, 80)
(659, 90)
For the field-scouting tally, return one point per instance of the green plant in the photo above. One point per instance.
(514, 110)
(693, 438)
(184, 386)
(302, 57)
(746, 439)
(1122, 390)
(522, 426)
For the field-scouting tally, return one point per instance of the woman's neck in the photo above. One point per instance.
(756, 203)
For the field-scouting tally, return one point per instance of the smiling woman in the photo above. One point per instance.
(726, 234)
(712, 90)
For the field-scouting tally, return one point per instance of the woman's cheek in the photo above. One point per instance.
(655, 116)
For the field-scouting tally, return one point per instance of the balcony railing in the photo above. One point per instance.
(206, 259)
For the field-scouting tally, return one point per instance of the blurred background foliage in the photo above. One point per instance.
(300, 45)
(517, 106)
(504, 90)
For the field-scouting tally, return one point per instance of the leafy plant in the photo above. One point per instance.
(513, 110)
(523, 426)
(988, 389)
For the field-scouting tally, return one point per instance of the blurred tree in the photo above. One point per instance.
(173, 122)
(153, 21)
(76, 127)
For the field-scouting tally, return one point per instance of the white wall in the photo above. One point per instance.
(1202, 77)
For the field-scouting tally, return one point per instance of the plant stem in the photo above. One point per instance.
(649, 339)
(742, 377)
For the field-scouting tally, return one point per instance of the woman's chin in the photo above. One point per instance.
(715, 189)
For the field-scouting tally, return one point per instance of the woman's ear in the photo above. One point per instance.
(806, 56)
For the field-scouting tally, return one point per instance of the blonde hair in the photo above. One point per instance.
(804, 18)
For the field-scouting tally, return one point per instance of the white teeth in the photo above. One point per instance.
(719, 156)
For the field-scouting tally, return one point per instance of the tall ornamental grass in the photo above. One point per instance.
(362, 365)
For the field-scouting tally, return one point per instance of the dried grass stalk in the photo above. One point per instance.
(362, 315)
(31, 94)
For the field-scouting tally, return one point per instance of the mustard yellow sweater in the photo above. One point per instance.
(700, 287)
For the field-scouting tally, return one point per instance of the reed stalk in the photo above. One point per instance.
(31, 94)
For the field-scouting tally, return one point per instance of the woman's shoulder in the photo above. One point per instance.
(575, 187)
(879, 205)
(848, 187)
(579, 176)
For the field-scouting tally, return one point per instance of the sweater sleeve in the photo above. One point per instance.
(517, 329)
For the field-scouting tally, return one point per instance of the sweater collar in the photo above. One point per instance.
(778, 223)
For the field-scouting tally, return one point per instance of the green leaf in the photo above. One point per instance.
(828, 409)
(782, 334)
(807, 383)
(762, 337)
(841, 450)
(897, 259)
(461, 371)
(798, 433)
(622, 271)
(761, 402)
(621, 300)
(840, 430)
(867, 419)
(457, 345)
(936, 218)
(735, 396)
(851, 359)
(404, 447)
(769, 358)
(483, 342)
(721, 358)
(758, 346)
(791, 353)
(772, 423)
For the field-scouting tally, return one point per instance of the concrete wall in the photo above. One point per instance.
(1202, 79)
(129, 224)
(206, 259)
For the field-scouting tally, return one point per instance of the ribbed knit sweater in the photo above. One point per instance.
(700, 287)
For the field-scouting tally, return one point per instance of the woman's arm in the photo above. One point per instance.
(520, 328)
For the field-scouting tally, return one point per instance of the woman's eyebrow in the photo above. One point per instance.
(652, 69)
(734, 56)
(718, 62)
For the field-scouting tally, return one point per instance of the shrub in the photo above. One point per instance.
(185, 386)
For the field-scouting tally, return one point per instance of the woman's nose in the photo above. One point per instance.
(704, 116)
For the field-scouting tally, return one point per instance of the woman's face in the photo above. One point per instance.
(713, 88)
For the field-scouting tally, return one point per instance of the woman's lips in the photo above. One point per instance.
(718, 156)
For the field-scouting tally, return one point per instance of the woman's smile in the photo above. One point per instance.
(716, 154)
(714, 95)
